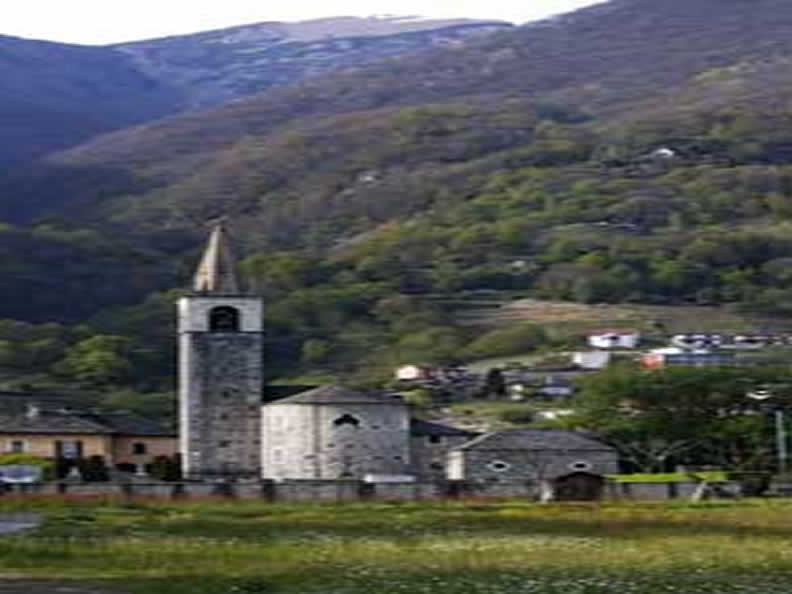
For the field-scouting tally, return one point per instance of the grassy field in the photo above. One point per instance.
(453, 548)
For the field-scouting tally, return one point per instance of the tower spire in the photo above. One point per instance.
(216, 272)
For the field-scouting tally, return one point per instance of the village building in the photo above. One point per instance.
(332, 432)
(614, 339)
(591, 360)
(676, 357)
(232, 426)
(410, 373)
(430, 444)
(555, 457)
(48, 426)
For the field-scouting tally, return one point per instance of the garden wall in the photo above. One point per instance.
(314, 491)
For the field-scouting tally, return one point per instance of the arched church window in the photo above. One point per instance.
(346, 419)
(224, 319)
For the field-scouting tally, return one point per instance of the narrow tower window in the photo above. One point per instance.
(224, 319)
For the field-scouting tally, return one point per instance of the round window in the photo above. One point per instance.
(580, 465)
(499, 466)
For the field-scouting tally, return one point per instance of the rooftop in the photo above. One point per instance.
(535, 439)
(334, 394)
(22, 412)
(420, 428)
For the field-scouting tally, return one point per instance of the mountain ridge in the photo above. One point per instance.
(225, 64)
(575, 62)
(55, 95)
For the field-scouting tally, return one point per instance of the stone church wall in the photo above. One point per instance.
(429, 454)
(521, 465)
(332, 441)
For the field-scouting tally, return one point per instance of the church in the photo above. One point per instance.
(231, 426)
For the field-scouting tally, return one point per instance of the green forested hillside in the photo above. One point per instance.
(54, 95)
(631, 152)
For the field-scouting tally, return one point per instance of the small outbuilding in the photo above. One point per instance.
(535, 455)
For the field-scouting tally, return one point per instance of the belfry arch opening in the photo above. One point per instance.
(224, 319)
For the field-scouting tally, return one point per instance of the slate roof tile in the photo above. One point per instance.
(338, 395)
(535, 439)
(421, 428)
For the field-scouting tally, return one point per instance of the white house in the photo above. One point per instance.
(591, 360)
(412, 372)
(614, 339)
(697, 341)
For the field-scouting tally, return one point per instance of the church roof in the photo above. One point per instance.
(333, 394)
(273, 392)
(216, 272)
(535, 439)
(421, 428)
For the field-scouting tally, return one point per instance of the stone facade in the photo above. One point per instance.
(141, 451)
(430, 444)
(333, 433)
(530, 455)
(45, 446)
(220, 386)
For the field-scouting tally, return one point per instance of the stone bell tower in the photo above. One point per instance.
(220, 371)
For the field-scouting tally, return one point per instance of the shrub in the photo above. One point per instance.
(93, 469)
(420, 397)
(517, 416)
(166, 468)
(507, 341)
(47, 466)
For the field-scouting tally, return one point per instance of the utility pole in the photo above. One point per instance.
(781, 441)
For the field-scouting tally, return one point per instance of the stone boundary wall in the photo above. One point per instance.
(310, 491)
(680, 490)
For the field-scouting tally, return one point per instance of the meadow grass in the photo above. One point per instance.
(388, 548)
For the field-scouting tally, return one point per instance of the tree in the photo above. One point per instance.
(494, 383)
(93, 469)
(515, 340)
(98, 361)
(315, 350)
(701, 415)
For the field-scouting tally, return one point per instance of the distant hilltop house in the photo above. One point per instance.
(758, 341)
(591, 360)
(408, 373)
(49, 427)
(677, 357)
(417, 373)
(663, 153)
(737, 341)
(556, 387)
(614, 339)
(697, 341)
